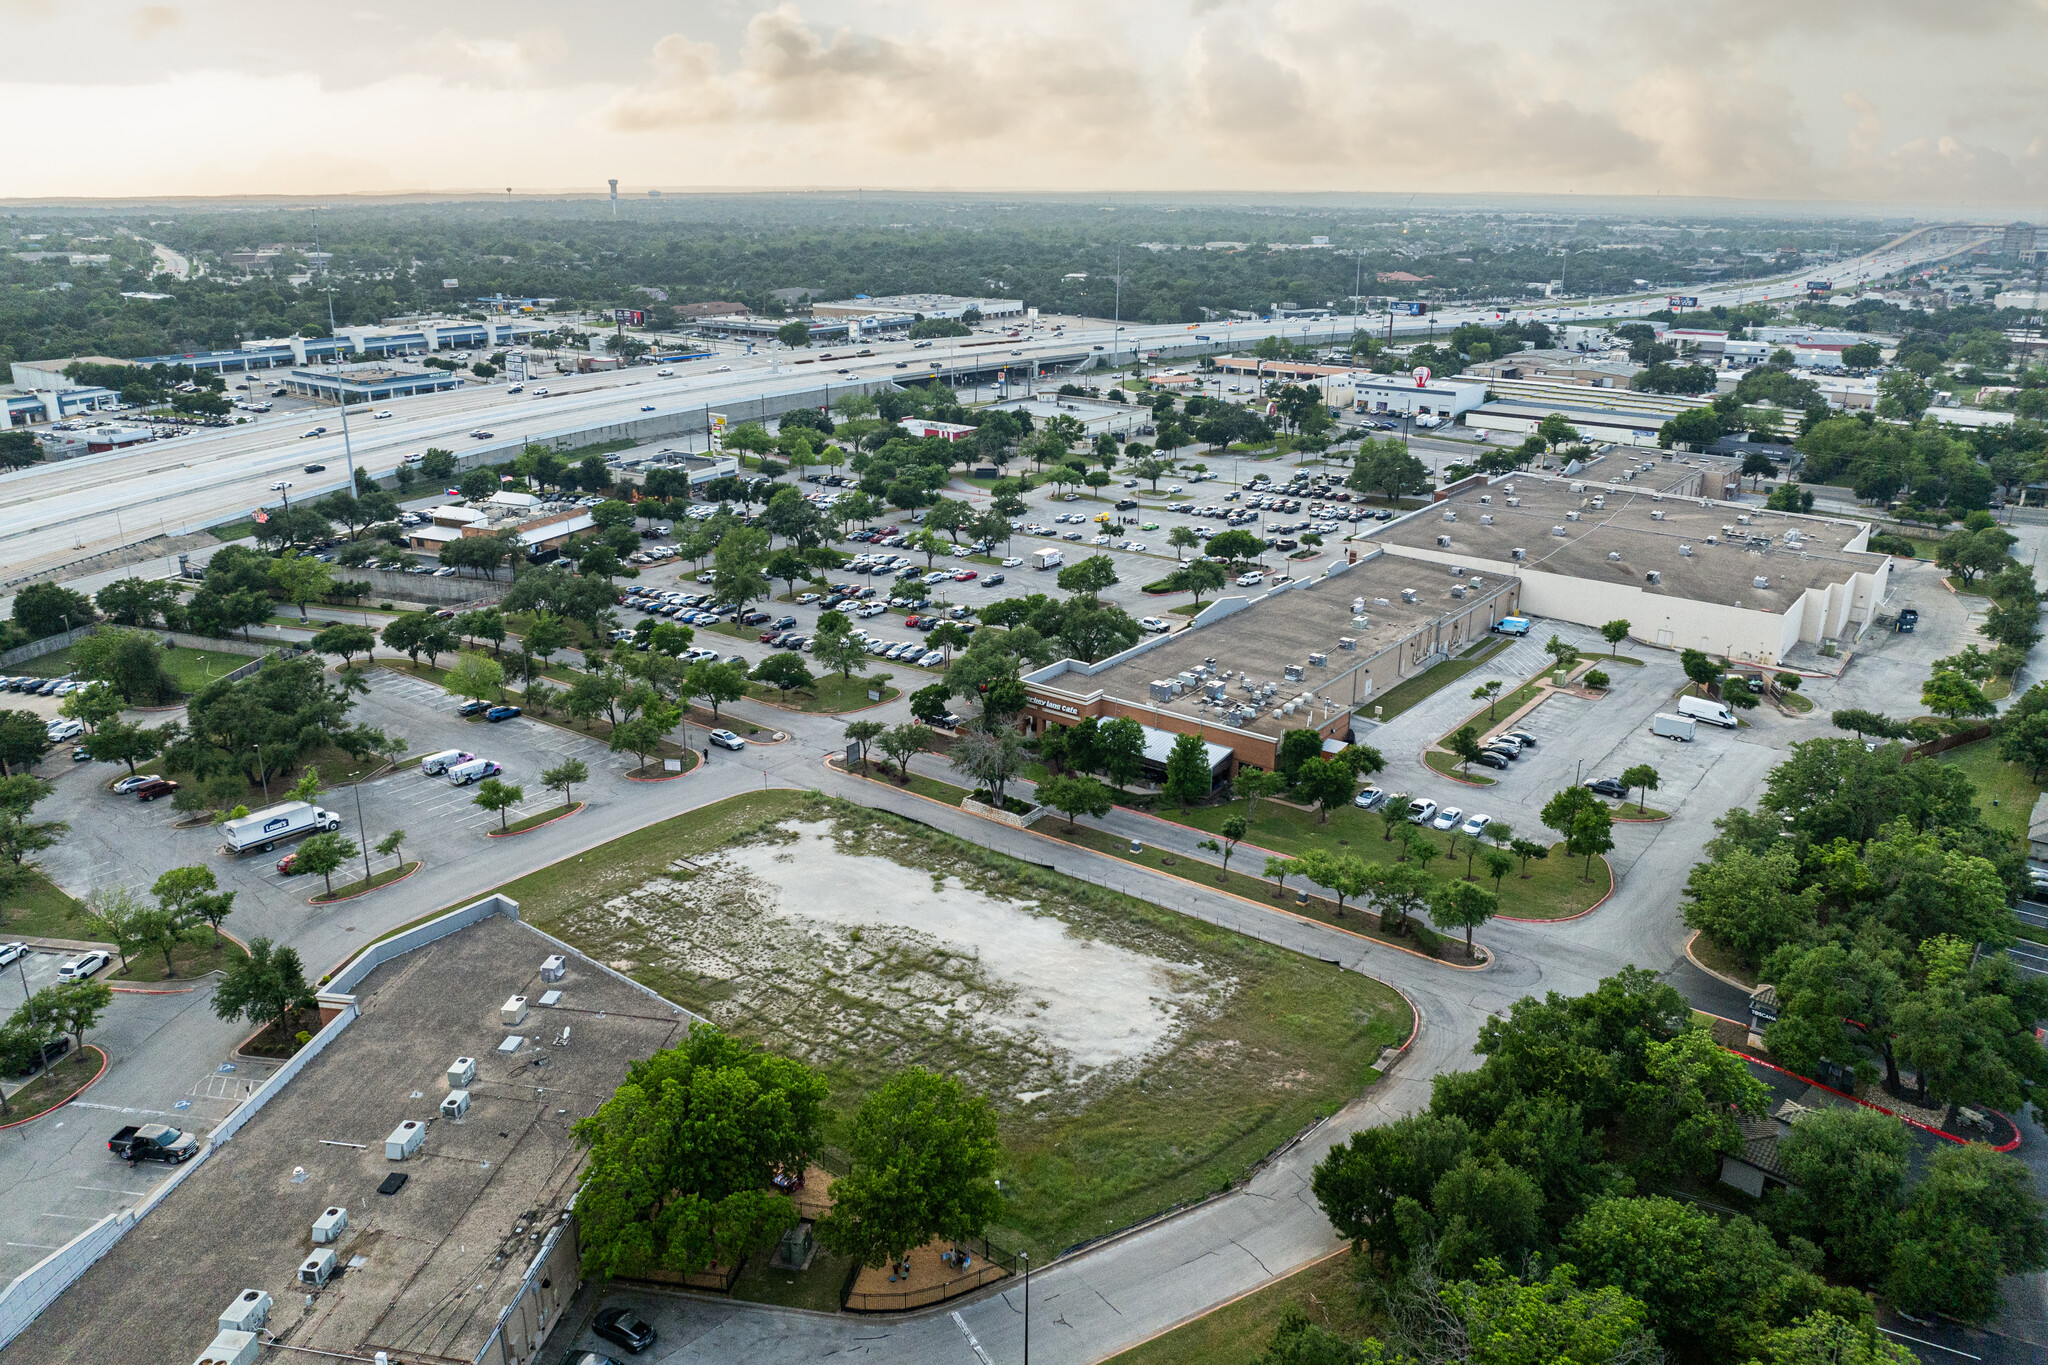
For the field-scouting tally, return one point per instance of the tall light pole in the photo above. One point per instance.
(348, 450)
(261, 773)
(1027, 1305)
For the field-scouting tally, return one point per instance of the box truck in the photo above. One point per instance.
(262, 830)
(1665, 726)
(1046, 558)
(1712, 712)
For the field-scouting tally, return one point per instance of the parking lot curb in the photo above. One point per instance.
(1721, 977)
(515, 833)
(1491, 956)
(418, 863)
(671, 777)
(1423, 758)
(104, 1064)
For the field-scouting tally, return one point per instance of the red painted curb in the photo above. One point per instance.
(417, 864)
(104, 1064)
(515, 833)
(1902, 1118)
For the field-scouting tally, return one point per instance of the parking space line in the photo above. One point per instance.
(109, 1189)
(35, 1246)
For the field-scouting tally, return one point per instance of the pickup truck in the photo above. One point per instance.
(153, 1142)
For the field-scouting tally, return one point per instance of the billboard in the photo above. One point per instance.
(1819, 286)
(1683, 301)
(1413, 310)
(632, 316)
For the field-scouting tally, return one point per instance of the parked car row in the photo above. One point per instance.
(41, 687)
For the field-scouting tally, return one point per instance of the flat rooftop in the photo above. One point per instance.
(1257, 642)
(1731, 546)
(441, 1258)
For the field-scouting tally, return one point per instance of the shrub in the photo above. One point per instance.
(1596, 680)
(1888, 544)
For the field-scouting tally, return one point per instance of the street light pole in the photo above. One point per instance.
(1027, 1305)
(362, 833)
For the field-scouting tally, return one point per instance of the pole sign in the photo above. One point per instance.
(631, 316)
(1819, 286)
(1413, 310)
(1683, 301)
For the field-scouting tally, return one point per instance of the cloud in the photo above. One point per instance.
(149, 21)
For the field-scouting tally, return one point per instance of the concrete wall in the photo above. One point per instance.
(49, 644)
(395, 585)
(546, 1290)
(34, 1289)
(347, 978)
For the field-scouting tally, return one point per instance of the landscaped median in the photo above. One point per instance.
(364, 886)
(56, 1087)
(532, 822)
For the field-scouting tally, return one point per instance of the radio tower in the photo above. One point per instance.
(615, 197)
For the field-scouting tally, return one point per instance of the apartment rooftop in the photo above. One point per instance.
(1716, 552)
(427, 1270)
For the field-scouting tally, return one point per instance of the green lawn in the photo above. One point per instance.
(199, 952)
(828, 695)
(879, 771)
(242, 528)
(191, 669)
(1723, 960)
(1409, 691)
(1281, 1040)
(1448, 764)
(1997, 781)
(53, 1085)
(34, 905)
(1328, 1292)
(1554, 888)
(528, 822)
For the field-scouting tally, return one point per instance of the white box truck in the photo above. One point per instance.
(262, 830)
(1046, 558)
(1712, 712)
(1665, 726)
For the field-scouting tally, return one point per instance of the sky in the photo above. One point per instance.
(1877, 102)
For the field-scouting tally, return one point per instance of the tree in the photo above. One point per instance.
(130, 661)
(924, 1157)
(345, 641)
(1498, 865)
(483, 623)
(563, 776)
(416, 633)
(1973, 1219)
(1201, 577)
(1280, 869)
(300, 579)
(1463, 905)
(1556, 429)
(1387, 468)
(1489, 693)
(1614, 632)
(45, 609)
(1527, 849)
(73, 1006)
(783, 671)
(24, 739)
(325, 853)
(903, 742)
(500, 797)
(1120, 747)
(839, 649)
(1954, 696)
(737, 566)
(119, 741)
(20, 834)
(137, 601)
(1848, 1168)
(1255, 783)
(1592, 833)
(477, 676)
(1464, 743)
(1823, 1338)
(1089, 577)
(391, 846)
(92, 706)
(642, 735)
(684, 1154)
(1237, 547)
(1860, 723)
(1643, 777)
(863, 733)
(715, 683)
(1233, 830)
(1325, 782)
(794, 333)
(1563, 654)
(1188, 773)
(1182, 539)
(1075, 795)
(113, 913)
(990, 758)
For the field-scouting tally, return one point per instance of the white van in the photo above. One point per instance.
(462, 774)
(433, 765)
(1712, 712)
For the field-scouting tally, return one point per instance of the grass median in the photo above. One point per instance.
(361, 885)
(1327, 1292)
(38, 907)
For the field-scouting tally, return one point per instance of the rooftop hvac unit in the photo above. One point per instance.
(1614, 556)
(1655, 497)
(230, 1348)
(249, 1311)
(1514, 502)
(405, 1139)
(1318, 661)
(1288, 709)
(1161, 690)
(1578, 488)
(329, 1226)
(1686, 551)
(1380, 602)
(1407, 594)
(1653, 577)
(550, 999)
(1759, 582)
(1457, 570)
(1485, 520)
(513, 1011)
(1742, 520)
(1443, 542)
(1477, 582)
(461, 1072)
(1507, 488)
(1557, 531)
(1713, 540)
(1357, 605)
(1656, 516)
(1346, 642)
(554, 968)
(1458, 591)
(1599, 503)
(1293, 672)
(1486, 500)
(1571, 516)
(455, 1104)
(1630, 476)
(316, 1270)
(1450, 516)
(1518, 553)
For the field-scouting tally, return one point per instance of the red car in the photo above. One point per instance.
(965, 576)
(911, 621)
(288, 864)
(767, 636)
(150, 791)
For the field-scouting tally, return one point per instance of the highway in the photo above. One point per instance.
(56, 514)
